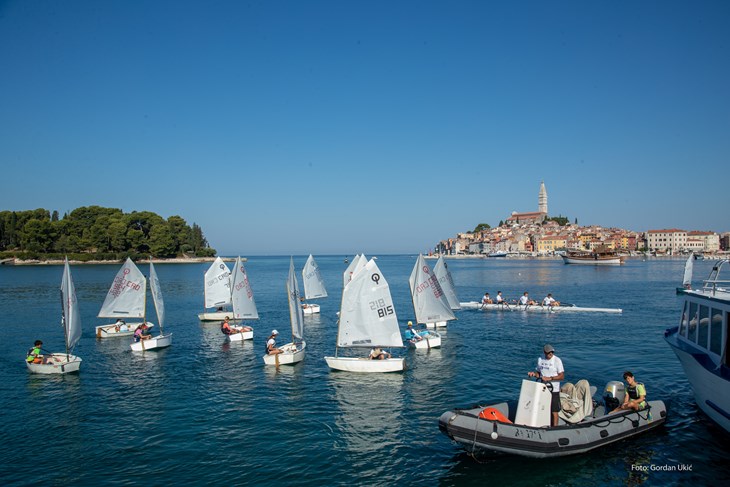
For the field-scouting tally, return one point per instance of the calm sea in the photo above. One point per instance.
(204, 411)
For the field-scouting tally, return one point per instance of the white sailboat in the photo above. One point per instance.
(64, 363)
(161, 340)
(687, 278)
(217, 288)
(124, 302)
(367, 320)
(443, 274)
(430, 305)
(358, 262)
(429, 300)
(313, 285)
(291, 352)
(244, 306)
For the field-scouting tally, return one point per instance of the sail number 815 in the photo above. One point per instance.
(382, 308)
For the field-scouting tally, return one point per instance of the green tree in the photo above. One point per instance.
(480, 227)
(161, 241)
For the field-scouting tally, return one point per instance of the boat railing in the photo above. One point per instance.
(713, 284)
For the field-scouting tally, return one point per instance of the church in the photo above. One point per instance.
(538, 216)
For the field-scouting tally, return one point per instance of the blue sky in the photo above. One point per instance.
(322, 127)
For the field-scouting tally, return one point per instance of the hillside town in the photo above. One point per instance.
(537, 234)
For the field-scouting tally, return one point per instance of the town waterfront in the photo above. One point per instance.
(204, 411)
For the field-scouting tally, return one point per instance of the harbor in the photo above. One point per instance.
(184, 412)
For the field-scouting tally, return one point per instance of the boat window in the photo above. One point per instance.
(683, 321)
(716, 331)
(692, 329)
(704, 328)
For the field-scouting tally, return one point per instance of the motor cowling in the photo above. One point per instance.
(613, 395)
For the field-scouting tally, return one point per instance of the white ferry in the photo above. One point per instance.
(701, 343)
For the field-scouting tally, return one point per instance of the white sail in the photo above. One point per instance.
(688, 266)
(429, 300)
(295, 311)
(126, 297)
(313, 283)
(447, 282)
(157, 297)
(244, 306)
(70, 305)
(367, 316)
(217, 284)
(358, 262)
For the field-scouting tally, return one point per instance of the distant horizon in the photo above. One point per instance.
(328, 125)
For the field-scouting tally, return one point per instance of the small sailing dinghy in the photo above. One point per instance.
(161, 340)
(688, 269)
(443, 275)
(358, 262)
(430, 305)
(293, 352)
(217, 291)
(64, 363)
(124, 301)
(244, 306)
(429, 300)
(367, 320)
(313, 285)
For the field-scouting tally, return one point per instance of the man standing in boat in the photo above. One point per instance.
(550, 369)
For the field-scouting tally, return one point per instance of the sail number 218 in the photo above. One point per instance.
(382, 309)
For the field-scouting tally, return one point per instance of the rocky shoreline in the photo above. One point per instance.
(176, 260)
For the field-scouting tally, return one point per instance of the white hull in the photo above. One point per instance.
(709, 389)
(240, 336)
(438, 324)
(365, 365)
(215, 316)
(292, 354)
(112, 331)
(61, 364)
(310, 309)
(537, 308)
(592, 261)
(428, 341)
(153, 343)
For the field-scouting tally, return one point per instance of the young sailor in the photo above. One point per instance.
(635, 394)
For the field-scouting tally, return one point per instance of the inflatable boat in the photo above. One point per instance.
(523, 427)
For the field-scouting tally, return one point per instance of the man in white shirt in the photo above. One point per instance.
(550, 369)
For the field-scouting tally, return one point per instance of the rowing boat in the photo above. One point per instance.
(567, 308)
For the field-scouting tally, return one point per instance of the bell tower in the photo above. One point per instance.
(542, 199)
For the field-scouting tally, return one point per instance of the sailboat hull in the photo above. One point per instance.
(365, 365)
(240, 336)
(114, 331)
(215, 316)
(292, 354)
(60, 363)
(430, 340)
(310, 309)
(153, 343)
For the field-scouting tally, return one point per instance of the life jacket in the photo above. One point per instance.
(32, 354)
(494, 414)
(273, 345)
(631, 391)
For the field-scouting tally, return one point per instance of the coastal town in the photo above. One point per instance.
(536, 234)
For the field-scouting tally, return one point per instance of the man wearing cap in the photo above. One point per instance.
(550, 369)
(271, 344)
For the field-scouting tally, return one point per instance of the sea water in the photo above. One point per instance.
(207, 411)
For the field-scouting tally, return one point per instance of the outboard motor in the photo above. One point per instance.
(613, 395)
